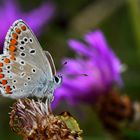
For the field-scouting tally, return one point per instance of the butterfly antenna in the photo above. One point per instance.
(72, 75)
(77, 75)
(83, 74)
(64, 64)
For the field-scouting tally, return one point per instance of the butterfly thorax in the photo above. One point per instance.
(51, 85)
(45, 87)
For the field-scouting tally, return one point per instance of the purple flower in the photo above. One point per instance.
(11, 11)
(97, 60)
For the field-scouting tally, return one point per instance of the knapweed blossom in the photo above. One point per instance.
(10, 11)
(97, 60)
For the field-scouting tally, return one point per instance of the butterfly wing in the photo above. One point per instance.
(49, 58)
(21, 41)
(24, 67)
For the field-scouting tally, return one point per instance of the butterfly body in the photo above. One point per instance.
(25, 69)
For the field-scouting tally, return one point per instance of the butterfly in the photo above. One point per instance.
(25, 69)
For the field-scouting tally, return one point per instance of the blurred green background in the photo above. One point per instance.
(120, 22)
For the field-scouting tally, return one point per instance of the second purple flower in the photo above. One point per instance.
(97, 60)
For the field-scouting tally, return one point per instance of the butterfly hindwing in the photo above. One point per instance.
(17, 80)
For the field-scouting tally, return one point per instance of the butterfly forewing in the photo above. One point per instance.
(21, 41)
(24, 68)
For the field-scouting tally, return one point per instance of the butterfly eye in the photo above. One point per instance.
(57, 80)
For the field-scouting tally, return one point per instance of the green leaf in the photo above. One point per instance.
(70, 122)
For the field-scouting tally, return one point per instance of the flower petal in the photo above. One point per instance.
(97, 40)
(40, 16)
(79, 47)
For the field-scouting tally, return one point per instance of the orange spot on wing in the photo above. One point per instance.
(12, 48)
(15, 36)
(4, 82)
(6, 60)
(8, 90)
(23, 27)
(1, 64)
(18, 30)
(12, 57)
(13, 42)
(0, 69)
(1, 75)
(11, 53)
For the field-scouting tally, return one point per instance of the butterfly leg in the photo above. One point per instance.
(48, 105)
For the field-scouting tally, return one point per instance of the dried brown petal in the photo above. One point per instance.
(34, 121)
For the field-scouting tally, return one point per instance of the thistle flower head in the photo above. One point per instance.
(34, 120)
(95, 59)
